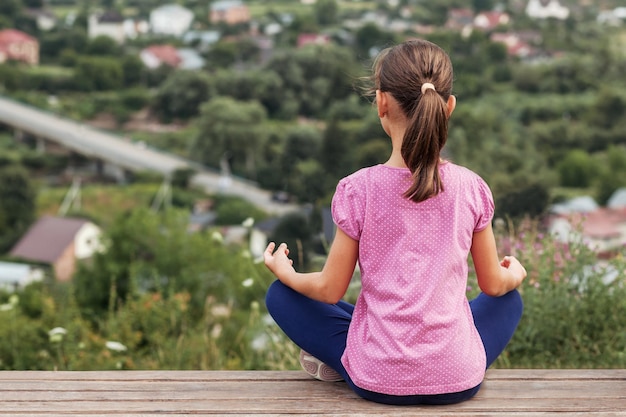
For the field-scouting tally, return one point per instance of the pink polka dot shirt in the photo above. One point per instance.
(412, 331)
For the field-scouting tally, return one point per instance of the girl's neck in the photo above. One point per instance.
(395, 160)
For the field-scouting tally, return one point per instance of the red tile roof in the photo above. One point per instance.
(312, 39)
(602, 223)
(8, 36)
(46, 240)
(491, 19)
(167, 54)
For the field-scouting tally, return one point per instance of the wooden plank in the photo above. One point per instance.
(492, 374)
(131, 391)
(274, 393)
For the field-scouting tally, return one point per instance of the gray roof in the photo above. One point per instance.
(225, 4)
(618, 199)
(110, 16)
(583, 204)
(46, 240)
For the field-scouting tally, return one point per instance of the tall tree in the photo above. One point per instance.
(302, 143)
(10, 8)
(17, 204)
(326, 12)
(99, 74)
(336, 153)
(182, 94)
(230, 130)
(577, 169)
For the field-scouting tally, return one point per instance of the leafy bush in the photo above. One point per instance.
(211, 314)
(234, 210)
(574, 305)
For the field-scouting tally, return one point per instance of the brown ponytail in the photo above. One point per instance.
(401, 71)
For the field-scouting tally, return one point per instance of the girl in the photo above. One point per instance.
(412, 336)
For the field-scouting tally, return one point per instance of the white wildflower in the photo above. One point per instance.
(260, 342)
(56, 335)
(220, 310)
(14, 300)
(217, 237)
(57, 330)
(248, 282)
(217, 331)
(115, 346)
(268, 320)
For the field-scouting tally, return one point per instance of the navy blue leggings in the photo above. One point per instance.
(321, 329)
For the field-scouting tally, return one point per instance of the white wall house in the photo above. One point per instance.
(87, 241)
(171, 19)
(59, 242)
(544, 9)
(109, 24)
(230, 12)
(613, 17)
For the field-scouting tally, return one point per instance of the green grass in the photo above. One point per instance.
(102, 203)
(52, 70)
(262, 8)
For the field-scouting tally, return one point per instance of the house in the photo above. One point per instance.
(515, 46)
(190, 59)
(15, 276)
(201, 40)
(603, 230)
(45, 19)
(171, 20)
(460, 19)
(109, 23)
(312, 39)
(490, 20)
(582, 204)
(156, 55)
(58, 242)
(16, 45)
(617, 199)
(134, 28)
(613, 17)
(544, 9)
(230, 12)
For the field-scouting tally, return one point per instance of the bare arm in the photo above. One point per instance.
(495, 277)
(328, 285)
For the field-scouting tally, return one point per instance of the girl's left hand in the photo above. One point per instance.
(278, 261)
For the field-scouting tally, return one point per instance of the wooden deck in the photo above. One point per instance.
(269, 393)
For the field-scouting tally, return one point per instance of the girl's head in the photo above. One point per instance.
(418, 75)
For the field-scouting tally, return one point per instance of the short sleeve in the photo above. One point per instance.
(347, 209)
(484, 204)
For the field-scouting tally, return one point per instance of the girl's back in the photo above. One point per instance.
(412, 315)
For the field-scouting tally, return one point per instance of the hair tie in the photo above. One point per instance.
(426, 86)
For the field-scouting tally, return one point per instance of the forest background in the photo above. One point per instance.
(295, 121)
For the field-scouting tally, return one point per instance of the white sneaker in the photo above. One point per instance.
(318, 369)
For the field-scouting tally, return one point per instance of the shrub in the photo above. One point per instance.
(214, 317)
(574, 305)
